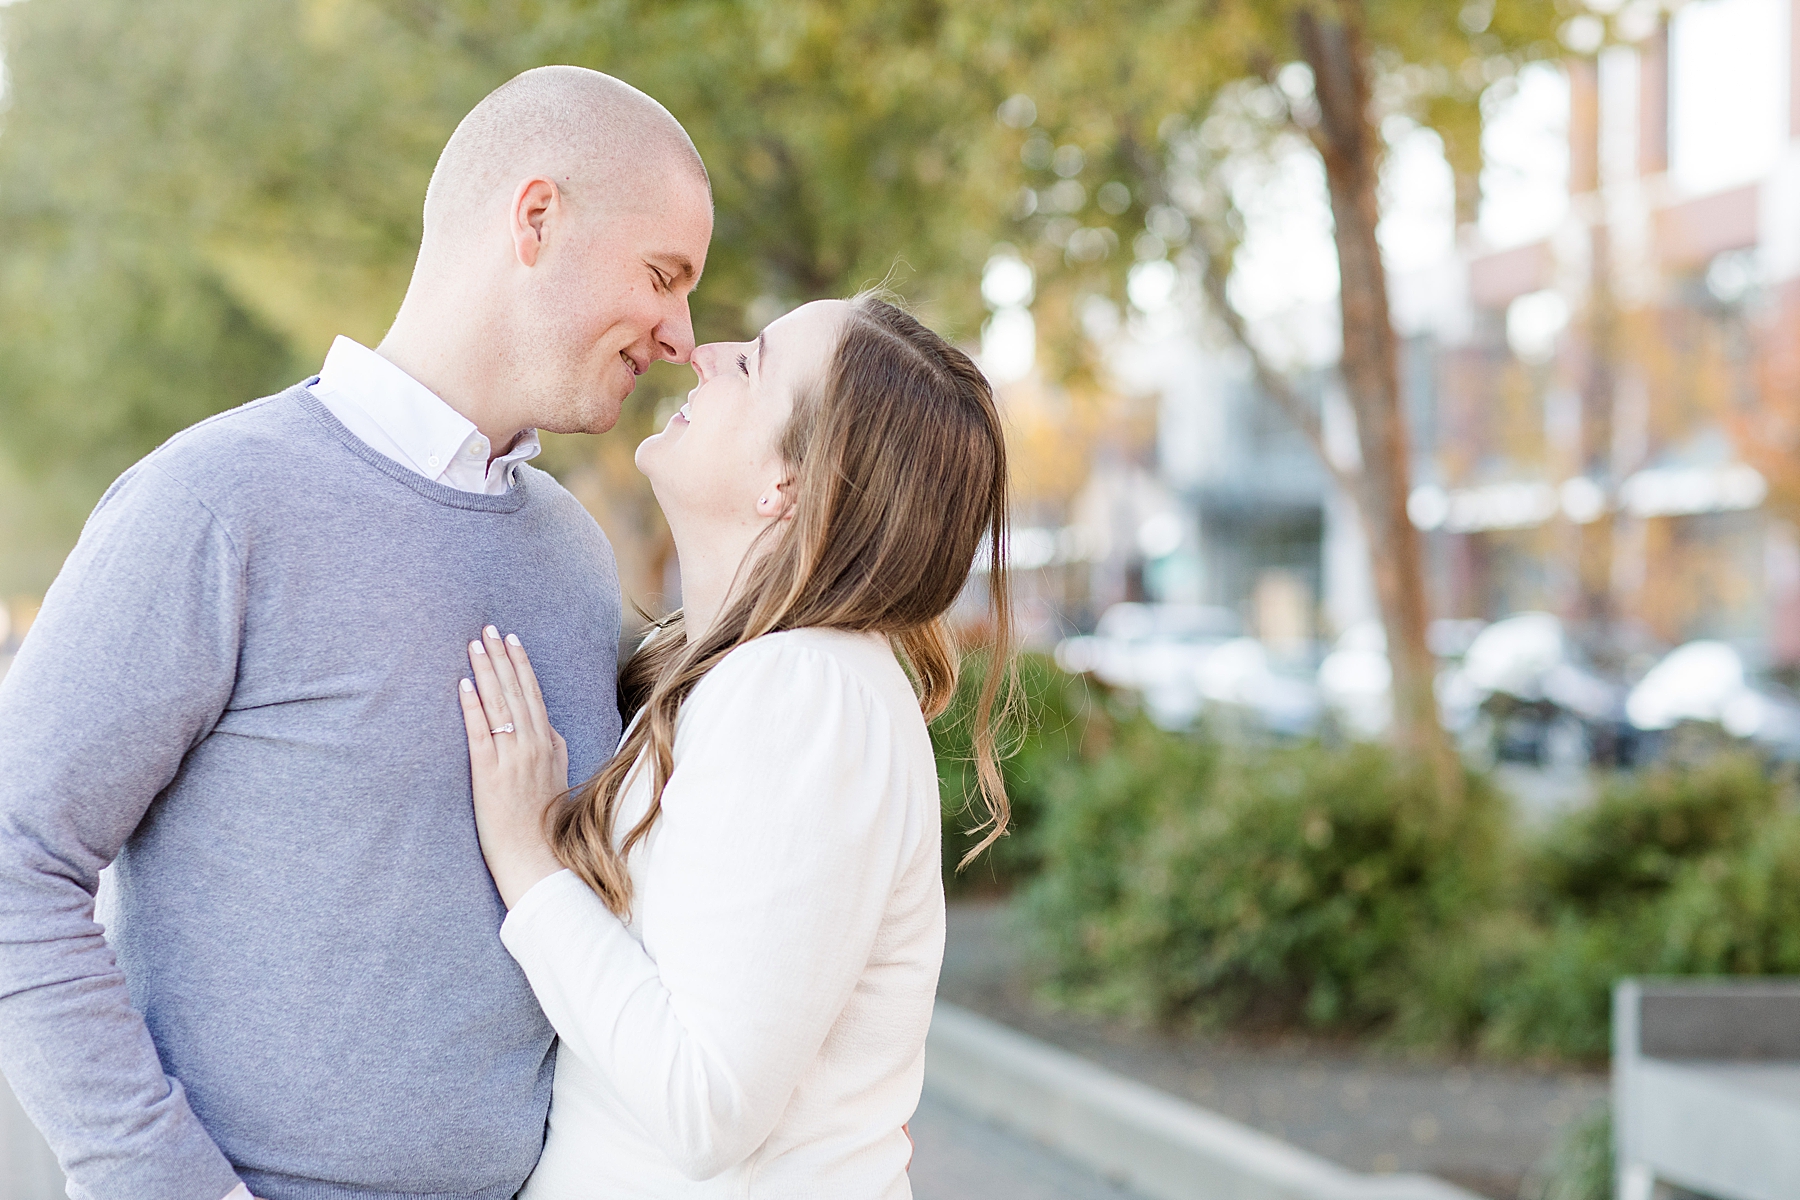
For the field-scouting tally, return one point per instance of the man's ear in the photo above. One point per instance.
(532, 205)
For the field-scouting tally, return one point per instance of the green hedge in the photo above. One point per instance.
(1682, 871)
(1175, 878)
(1060, 719)
(1283, 886)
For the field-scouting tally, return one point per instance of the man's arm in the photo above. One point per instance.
(127, 667)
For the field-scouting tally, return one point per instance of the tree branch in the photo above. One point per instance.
(1274, 384)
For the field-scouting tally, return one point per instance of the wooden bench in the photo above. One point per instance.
(1706, 1087)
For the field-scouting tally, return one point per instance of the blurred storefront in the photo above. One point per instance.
(1601, 369)
(1610, 440)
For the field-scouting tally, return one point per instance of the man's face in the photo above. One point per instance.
(608, 297)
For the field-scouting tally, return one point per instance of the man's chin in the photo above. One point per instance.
(587, 414)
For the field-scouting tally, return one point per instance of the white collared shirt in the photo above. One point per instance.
(402, 418)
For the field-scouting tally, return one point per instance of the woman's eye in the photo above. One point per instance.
(744, 363)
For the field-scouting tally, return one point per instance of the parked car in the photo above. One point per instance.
(1155, 650)
(1513, 690)
(1706, 683)
(1524, 693)
(1246, 684)
(1356, 681)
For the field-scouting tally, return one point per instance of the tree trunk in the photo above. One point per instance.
(1346, 138)
(1593, 541)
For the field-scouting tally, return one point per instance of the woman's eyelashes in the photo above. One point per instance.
(743, 363)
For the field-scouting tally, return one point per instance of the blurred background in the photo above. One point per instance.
(1405, 403)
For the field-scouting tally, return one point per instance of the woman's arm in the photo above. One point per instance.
(774, 856)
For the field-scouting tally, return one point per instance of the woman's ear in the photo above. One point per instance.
(777, 500)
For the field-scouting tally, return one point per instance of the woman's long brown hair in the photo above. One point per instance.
(900, 465)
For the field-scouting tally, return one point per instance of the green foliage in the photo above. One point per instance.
(1680, 871)
(1042, 737)
(1172, 878)
(269, 157)
(1157, 94)
(1581, 1165)
(162, 346)
(1281, 886)
(247, 177)
(1645, 830)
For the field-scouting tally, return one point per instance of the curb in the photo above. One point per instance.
(1162, 1147)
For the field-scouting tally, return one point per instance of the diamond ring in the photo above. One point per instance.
(506, 728)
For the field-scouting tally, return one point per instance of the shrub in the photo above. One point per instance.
(1737, 913)
(1057, 715)
(1581, 1165)
(1679, 871)
(1285, 885)
(1171, 878)
(1645, 830)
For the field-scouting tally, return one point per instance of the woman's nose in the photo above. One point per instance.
(707, 358)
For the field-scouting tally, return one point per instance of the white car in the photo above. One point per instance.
(1240, 676)
(1152, 649)
(1705, 681)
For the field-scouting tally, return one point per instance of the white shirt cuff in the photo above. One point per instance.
(240, 1192)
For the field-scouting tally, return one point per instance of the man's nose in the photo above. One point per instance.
(675, 335)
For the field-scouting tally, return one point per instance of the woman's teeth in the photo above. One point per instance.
(682, 412)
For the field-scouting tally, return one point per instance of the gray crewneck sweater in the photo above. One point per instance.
(241, 691)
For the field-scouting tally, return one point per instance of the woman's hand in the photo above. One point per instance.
(519, 764)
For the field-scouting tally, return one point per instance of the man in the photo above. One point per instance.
(241, 692)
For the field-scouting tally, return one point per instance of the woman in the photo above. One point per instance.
(736, 926)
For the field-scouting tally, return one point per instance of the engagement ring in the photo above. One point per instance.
(506, 728)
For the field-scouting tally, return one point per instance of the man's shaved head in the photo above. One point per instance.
(565, 226)
(602, 141)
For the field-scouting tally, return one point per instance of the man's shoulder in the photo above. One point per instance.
(213, 458)
(218, 444)
(558, 504)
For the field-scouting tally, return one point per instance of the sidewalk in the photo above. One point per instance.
(961, 1158)
(1479, 1126)
(28, 1171)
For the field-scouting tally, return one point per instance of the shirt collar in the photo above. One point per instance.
(425, 428)
(524, 449)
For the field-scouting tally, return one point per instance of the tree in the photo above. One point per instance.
(254, 172)
(1135, 83)
(195, 196)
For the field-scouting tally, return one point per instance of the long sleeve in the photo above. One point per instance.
(764, 889)
(127, 667)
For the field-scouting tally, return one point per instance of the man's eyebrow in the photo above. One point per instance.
(684, 266)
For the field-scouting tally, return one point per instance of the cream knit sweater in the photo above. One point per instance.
(758, 1029)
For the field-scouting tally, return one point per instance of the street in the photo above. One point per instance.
(961, 1158)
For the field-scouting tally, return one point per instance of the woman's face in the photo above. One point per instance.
(717, 460)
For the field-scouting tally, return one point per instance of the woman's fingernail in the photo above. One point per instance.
(477, 648)
(468, 685)
(492, 632)
(512, 639)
